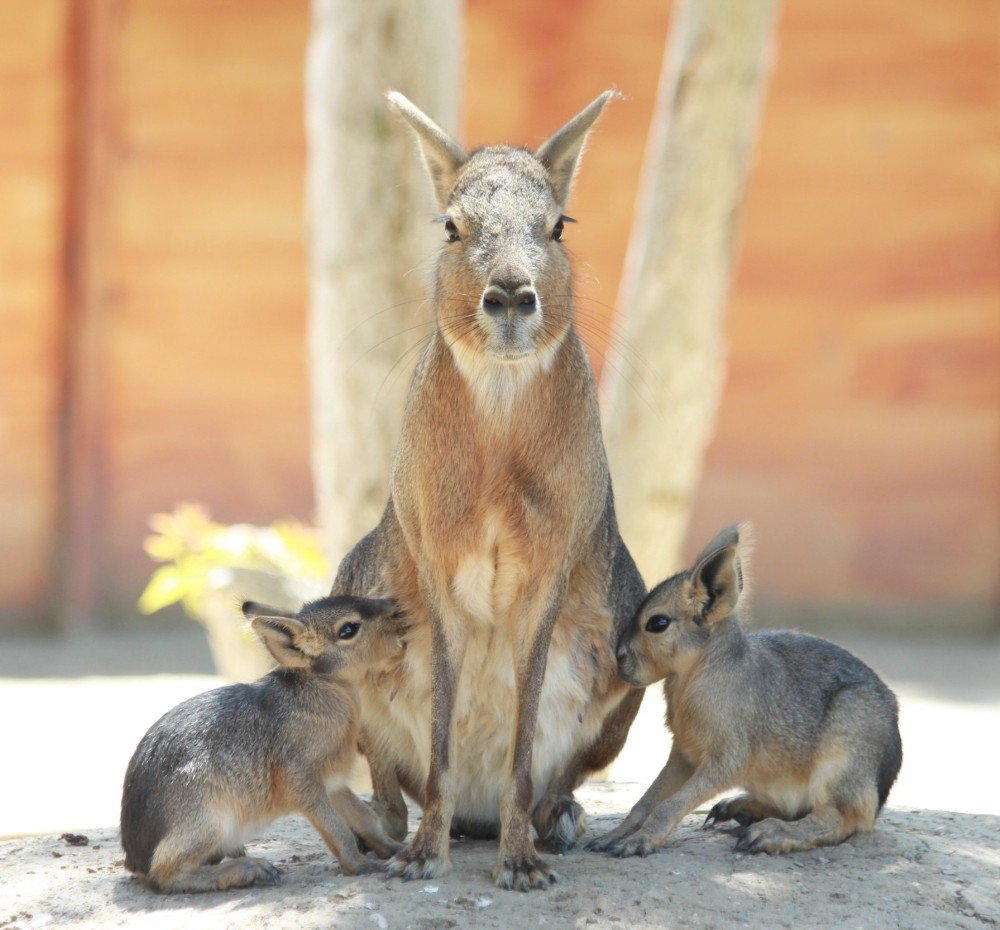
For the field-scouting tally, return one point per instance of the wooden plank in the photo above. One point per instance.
(207, 350)
(80, 576)
(861, 425)
(32, 102)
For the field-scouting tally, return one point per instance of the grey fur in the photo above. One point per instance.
(221, 765)
(808, 729)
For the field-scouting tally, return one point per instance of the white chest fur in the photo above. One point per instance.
(489, 580)
(485, 708)
(496, 384)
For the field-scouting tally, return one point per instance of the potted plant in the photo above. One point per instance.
(211, 568)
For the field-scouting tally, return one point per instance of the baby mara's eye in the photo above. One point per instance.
(348, 631)
(657, 623)
(451, 231)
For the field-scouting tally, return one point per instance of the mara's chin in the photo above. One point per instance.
(632, 678)
(511, 356)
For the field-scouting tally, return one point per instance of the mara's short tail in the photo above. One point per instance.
(889, 765)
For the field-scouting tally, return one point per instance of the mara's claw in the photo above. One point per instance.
(747, 843)
(523, 874)
(638, 844)
(560, 822)
(415, 862)
(721, 812)
(266, 873)
(605, 841)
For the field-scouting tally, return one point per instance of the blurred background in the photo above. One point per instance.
(154, 292)
(154, 285)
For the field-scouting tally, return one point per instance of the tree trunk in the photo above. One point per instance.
(664, 377)
(369, 207)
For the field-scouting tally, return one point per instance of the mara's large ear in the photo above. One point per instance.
(253, 609)
(561, 153)
(717, 582)
(283, 637)
(442, 155)
(730, 536)
(384, 607)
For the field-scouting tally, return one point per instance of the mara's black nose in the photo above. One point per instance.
(621, 652)
(498, 299)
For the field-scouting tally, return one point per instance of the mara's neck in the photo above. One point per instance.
(497, 389)
(322, 680)
(726, 645)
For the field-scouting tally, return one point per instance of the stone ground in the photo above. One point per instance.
(920, 870)
(934, 860)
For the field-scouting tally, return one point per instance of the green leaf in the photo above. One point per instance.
(193, 545)
(166, 587)
(164, 548)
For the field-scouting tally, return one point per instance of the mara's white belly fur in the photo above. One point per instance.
(484, 717)
(570, 712)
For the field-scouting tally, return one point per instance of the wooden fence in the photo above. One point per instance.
(153, 285)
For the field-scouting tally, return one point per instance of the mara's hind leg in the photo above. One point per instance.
(559, 818)
(179, 865)
(387, 796)
(826, 825)
(743, 808)
(221, 854)
(842, 794)
(319, 810)
(365, 823)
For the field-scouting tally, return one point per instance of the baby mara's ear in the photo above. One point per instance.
(393, 621)
(282, 633)
(253, 609)
(717, 580)
(285, 639)
(384, 607)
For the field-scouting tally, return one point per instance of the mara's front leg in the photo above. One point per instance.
(518, 864)
(713, 776)
(670, 780)
(426, 856)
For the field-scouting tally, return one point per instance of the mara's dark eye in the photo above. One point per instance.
(557, 230)
(657, 623)
(451, 231)
(349, 631)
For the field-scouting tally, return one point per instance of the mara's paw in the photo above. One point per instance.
(772, 836)
(605, 841)
(417, 860)
(639, 843)
(726, 810)
(522, 873)
(387, 848)
(258, 872)
(395, 823)
(362, 865)
(560, 822)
